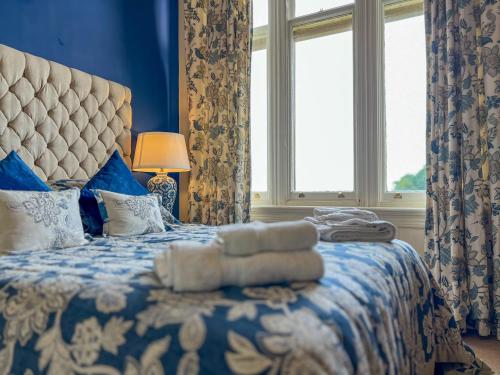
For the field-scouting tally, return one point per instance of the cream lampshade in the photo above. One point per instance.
(161, 152)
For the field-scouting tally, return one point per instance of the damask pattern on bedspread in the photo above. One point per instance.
(100, 309)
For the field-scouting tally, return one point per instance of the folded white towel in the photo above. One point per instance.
(248, 239)
(195, 267)
(355, 230)
(343, 213)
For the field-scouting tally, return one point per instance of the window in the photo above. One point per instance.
(258, 100)
(405, 96)
(303, 7)
(323, 100)
(344, 98)
(260, 13)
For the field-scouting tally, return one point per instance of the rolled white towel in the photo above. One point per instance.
(355, 230)
(252, 238)
(188, 266)
(272, 267)
(343, 213)
(240, 239)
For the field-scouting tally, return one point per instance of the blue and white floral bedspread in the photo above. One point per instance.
(99, 309)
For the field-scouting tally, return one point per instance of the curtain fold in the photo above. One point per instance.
(463, 157)
(218, 53)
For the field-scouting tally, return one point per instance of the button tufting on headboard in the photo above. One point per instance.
(63, 123)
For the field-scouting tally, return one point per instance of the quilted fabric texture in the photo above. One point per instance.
(62, 122)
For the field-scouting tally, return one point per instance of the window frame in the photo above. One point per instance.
(294, 197)
(260, 40)
(368, 21)
(412, 199)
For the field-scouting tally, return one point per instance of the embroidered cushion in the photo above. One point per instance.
(126, 215)
(115, 176)
(59, 185)
(40, 220)
(16, 175)
(66, 184)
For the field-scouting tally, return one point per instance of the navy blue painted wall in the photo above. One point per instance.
(133, 42)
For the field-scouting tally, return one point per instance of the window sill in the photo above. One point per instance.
(399, 216)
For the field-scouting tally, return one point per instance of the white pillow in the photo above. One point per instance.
(128, 215)
(40, 220)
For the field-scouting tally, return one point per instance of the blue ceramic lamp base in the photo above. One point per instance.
(166, 187)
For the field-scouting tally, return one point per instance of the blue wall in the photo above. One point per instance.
(133, 42)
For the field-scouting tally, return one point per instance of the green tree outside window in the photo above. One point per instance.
(411, 181)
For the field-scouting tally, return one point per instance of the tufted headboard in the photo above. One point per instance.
(63, 123)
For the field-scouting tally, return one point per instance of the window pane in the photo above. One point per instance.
(259, 13)
(258, 118)
(324, 148)
(405, 96)
(303, 7)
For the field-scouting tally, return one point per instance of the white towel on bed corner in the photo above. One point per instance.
(343, 213)
(355, 230)
(252, 238)
(189, 266)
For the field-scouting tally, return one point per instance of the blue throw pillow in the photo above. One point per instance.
(115, 176)
(16, 175)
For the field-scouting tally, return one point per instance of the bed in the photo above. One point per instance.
(100, 309)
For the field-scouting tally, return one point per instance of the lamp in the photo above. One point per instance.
(161, 152)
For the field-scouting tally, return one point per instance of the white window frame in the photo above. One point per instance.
(368, 103)
(260, 42)
(394, 198)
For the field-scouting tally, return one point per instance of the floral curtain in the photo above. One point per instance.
(463, 157)
(218, 52)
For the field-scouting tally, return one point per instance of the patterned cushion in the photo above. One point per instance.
(126, 215)
(59, 185)
(114, 176)
(39, 220)
(16, 175)
(167, 216)
(63, 123)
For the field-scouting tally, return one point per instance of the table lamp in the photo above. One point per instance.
(161, 152)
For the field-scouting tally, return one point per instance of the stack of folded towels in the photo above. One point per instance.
(351, 224)
(243, 255)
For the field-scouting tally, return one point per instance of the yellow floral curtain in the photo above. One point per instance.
(218, 52)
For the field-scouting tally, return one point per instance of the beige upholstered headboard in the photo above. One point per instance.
(63, 123)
